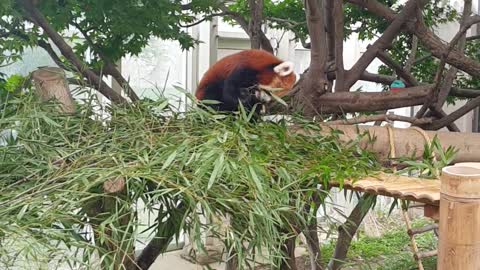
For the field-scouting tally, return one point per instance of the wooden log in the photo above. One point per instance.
(459, 243)
(414, 231)
(407, 141)
(425, 254)
(51, 83)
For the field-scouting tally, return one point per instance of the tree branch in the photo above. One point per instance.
(338, 28)
(109, 67)
(384, 41)
(381, 117)
(346, 102)
(255, 25)
(407, 76)
(413, 54)
(163, 237)
(347, 230)
(266, 45)
(438, 124)
(426, 36)
(330, 28)
(67, 51)
(464, 93)
(315, 81)
(460, 37)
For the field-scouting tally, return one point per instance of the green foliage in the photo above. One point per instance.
(258, 174)
(11, 86)
(115, 27)
(391, 251)
(435, 157)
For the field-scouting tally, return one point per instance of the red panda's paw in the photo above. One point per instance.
(262, 96)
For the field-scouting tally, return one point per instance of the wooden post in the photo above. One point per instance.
(50, 83)
(459, 244)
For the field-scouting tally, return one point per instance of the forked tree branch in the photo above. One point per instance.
(459, 38)
(109, 68)
(402, 73)
(266, 45)
(392, 31)
(452, 117)
(431, 41)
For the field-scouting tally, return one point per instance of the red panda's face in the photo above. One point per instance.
(282, 77)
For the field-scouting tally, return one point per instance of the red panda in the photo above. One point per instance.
(241, 76)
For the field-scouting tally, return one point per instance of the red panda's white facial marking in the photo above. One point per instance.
(284, 69)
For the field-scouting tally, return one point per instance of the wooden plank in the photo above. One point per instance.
(397, 186)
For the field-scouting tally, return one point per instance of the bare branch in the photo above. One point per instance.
(330, 28)
(384, 41)
(440, 113)
(315, 82)
(381, 117)
(203, 19)
(438, 124)
(255, 25)
(413, 54)
(347, 230)
(338, 28)
(460, 37)
(109, 67)
(464, 93)
(426, 36)
(472, 38)
(407, 76)
(345, 102)
(266, 45)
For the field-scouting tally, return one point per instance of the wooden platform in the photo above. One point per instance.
(401, 187)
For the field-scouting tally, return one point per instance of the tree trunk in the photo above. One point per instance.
(288, 248)
(315, 82)
(50, 83)
(121, 244)
(347, 230)
(255, 26)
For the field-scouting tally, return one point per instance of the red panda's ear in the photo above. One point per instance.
(284, 69)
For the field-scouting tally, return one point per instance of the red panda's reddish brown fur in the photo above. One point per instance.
(258, 60)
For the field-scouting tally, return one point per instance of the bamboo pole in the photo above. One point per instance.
(459, 244)
(407, 141)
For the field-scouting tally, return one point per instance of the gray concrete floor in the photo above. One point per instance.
(173, 261)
